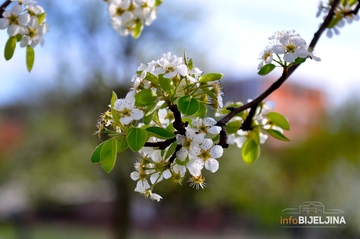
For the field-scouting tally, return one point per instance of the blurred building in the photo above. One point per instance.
(303, 106)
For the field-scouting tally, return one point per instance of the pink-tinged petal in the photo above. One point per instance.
(212, 165)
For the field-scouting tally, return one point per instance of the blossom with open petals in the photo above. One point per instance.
(127, 110)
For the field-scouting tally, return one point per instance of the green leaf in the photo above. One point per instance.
(165, 83)
(10, 48)
(266, 69)
(136, 138)
(202, 111)
(138, 29)
(277, 134)
(41, 17)
(211, 77)
(299, 60)
(122, 144)
(145, 97)
(190, 64)
(160, 133)
(233, 127)
(114, 113)
(30, 57)
(95, 157)
(158, 2)
(152, 78)
(108, 154)
(333, 22)
(188, 105)
(250, 151)
(171, 150)
(19, 37)
(279, 120)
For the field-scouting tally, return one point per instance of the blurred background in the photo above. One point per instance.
(50, 189)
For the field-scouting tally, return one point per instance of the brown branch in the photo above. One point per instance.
(285, 75)
(324, 25)
(3, 7)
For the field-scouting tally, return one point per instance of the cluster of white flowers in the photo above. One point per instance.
(195, 148)
(288, 43)
(129, 15)
(25, 19)
(196, 151)
(343, 13)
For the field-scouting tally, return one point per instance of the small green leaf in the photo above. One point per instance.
(211, 77)
(114, 113)
(171, 150)
(299, 60)
(202, 111)
(136, 138)
(277, 134)
(145, 97)
(233, 127)
(122, 144)
(41, 17)
(210, 92)
(19, 37)
(333, 22)
(250, 151)
(30, 57)
(10, 48)
(165, 83)
(188, 105)
(190, 64)
(138, 29)
(108, 154)
(95, 157)
(160, 133)
(279, 120)
(152, 78)
(158, 2)
(266, 69)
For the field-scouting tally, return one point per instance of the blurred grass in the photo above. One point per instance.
(55, 231)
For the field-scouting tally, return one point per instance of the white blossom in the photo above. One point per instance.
(127, 110)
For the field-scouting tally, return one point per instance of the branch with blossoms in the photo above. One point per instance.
(26, 23)
(164, 116)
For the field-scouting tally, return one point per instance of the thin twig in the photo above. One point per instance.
(3, 7)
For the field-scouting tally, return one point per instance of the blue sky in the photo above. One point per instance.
(235, 31)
